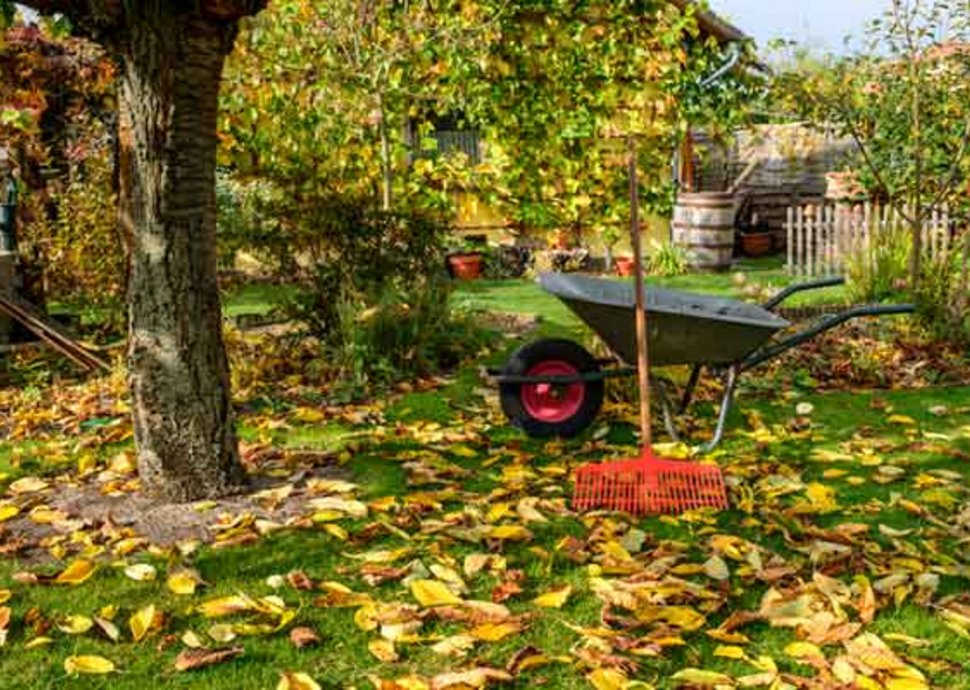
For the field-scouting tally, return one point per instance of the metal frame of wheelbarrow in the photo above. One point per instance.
(730, 372)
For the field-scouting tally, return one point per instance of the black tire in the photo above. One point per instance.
(550, 350)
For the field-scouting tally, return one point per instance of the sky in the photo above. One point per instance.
(820, 23)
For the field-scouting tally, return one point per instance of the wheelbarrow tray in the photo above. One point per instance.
(683, 327)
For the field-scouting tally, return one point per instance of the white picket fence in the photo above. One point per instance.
(822, 237)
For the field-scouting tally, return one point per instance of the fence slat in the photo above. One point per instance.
(790, 241)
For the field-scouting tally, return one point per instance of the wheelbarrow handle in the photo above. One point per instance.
(825, 324)
(831, 281)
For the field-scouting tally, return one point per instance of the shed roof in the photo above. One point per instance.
(714, 25)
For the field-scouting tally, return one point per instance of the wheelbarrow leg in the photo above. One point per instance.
(731, 383)
(670, 426)
(695, 375)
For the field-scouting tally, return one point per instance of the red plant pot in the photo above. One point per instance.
(756, 244)
(465, 266)
(624, 266)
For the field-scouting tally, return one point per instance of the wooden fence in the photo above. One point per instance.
(822, 237)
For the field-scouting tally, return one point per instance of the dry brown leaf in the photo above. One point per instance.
(304, 637)
(189, 659)
(473, 678)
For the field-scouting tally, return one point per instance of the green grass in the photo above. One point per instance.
(257, 299)
(489, 452)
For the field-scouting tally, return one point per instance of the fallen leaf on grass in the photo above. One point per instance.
(141, 622)
(383, 650)
(607, 679)
(433, 593)
(88, 664)
(553, 599)
(473, 678)
(75, 625)
(700, 677)
(493, 632)
(296, 681)
(183, 582)
(77, 572)
(455, 645)
(304, 637)
(141, 572)
(189, 659)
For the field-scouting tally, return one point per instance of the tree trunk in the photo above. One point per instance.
(178, 371)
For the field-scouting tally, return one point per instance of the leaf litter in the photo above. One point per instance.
(447, 578)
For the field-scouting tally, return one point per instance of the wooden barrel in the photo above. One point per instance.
(704, 226)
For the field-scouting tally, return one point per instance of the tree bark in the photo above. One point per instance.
(178, 370)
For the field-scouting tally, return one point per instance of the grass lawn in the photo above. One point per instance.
(846, 534)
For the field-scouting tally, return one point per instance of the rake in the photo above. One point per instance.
(647, 484)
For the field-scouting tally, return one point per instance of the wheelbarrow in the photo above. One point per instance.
(554, 387)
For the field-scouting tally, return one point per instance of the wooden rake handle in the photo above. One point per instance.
(643, 367)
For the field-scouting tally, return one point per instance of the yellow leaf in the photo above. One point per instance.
(493, 632)
(332, 504)
(383, 650)
(75, 625)
(8, 511)
(905, 684)
(141, 622)
(682, 616)
(226, 606)
(141, 572)
(296, 681)
(191, 639)
(456, 645)
(607, 679)
(182, 582)
(38, 642)
(77, 572)
(716, 569)
(27, 485)
(433, 593)
(510, 532)
(901, 419)
(222, 633)
(88, 664)
(729, 652)
(696, 676)
(462, 451)
(803, 650)
(553, 599)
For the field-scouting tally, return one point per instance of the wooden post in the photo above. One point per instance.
(790, 236)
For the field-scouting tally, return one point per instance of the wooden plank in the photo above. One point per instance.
(790, 249)
(32, 321)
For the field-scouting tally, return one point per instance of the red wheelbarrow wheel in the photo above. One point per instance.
(551, 409)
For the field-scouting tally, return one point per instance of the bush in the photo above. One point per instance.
(404, 332)
(375, 294)
(943, 294)
(506, 261)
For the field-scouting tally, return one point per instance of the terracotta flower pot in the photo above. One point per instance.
(465, 266)
(756, 243)
(624, 266)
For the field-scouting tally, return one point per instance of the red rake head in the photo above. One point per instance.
(649, 485)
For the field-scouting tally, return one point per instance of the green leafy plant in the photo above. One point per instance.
(877, 271)
(944, 294)
(666, 259)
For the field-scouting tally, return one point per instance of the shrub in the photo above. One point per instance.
(943, 294)
(874, 273)
(375, 294)
(667, 260)
(506, 261)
